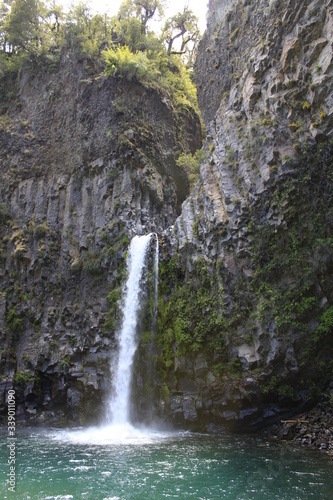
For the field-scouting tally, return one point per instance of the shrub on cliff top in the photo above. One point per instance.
(126, 64)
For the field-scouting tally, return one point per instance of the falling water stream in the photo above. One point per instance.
(120, 399)
(157, 259)
(116, 427)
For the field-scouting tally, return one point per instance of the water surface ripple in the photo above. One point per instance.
(54, 464)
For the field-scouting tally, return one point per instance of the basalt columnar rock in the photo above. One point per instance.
(245, 293)
(251, 316)
(86, 163)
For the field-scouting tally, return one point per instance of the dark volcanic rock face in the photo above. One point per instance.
(251, 248)
(246, 290)
(86, 163)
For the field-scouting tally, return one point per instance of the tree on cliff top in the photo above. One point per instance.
(39, 32)
(30, 27)
(183, 26)
(21, 24)
(144, 10)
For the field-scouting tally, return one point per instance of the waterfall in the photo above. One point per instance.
(156, 284)
(120, 400)
(116, 428)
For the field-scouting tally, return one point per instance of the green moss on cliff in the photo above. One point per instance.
(14, 322)
(289, 290)
(190, 313)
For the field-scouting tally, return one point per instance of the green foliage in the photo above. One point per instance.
(230, 158)
(129, 32)
(308, 195)
(144, 10)
(4, 213)
(10, 65)
(64, 363)
(92, 263)
(291, 264)
(77, 26)
(97, 30)
(126, 64)
(114, 312)
(14, 321)
(3, 256)
(113, 298)
(291, 269)
(236, 365)
(23, 378)
(21, 25)
(278, 387)
(219, 369)
(191, 164)
(176, 79)
(5, 124)
(27, 34)
(325, 325)
(183, 26)
(143, 57)
(40, 231)
(32, 32)
(156, 70)
(190, 318)
(76, 265)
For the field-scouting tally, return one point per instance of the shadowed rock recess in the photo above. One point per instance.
(245, 313)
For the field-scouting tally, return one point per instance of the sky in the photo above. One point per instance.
(199, 7)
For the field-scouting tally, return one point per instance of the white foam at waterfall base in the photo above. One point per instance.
(113, 434)
(117, 428)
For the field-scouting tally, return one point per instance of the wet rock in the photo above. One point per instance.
(312, 428)
(259, 104)
(248, 356)
(189, 409)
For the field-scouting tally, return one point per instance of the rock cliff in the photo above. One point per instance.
(86, 163)
(255, 233)
(245, 292)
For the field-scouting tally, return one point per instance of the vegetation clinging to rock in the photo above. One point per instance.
(38, 32)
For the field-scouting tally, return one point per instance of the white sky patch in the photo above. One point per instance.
(111, 7)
